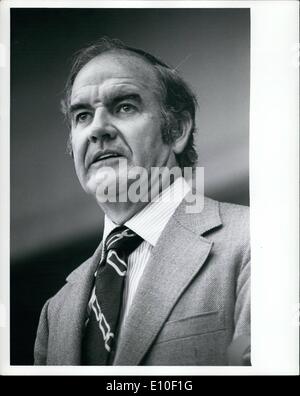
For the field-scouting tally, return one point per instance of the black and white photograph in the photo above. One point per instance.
(130, 207)
(185, 295)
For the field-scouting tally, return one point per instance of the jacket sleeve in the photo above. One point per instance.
(41, 341)
(242, 305)
(239, 350)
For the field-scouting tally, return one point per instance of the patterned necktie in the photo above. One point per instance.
(99, 337)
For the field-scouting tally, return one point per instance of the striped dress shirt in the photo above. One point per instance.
(148, 224)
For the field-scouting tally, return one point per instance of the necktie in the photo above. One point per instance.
(99, 337)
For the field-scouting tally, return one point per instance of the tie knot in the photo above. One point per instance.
(122, 239)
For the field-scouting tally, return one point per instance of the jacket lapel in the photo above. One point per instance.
(178, 256)
(73, 312)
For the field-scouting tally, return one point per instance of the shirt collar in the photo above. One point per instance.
(152, 219)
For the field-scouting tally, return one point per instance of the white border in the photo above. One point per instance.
(274, 125)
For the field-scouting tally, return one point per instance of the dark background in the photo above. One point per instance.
(54, 225)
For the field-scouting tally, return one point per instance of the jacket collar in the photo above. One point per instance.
(200, 221)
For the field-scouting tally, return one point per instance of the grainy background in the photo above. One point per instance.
(54, 225)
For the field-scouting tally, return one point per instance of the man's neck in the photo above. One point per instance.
(120, 212)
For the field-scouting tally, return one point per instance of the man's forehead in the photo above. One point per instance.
(115, 66)
(106, 92)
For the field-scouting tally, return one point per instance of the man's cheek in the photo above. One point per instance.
(79, 166)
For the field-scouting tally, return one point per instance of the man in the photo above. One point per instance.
(167, 285)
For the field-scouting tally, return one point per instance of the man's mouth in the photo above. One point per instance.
(105, 156)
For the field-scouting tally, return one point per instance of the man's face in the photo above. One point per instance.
(115, 114)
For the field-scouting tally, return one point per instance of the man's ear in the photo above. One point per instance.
(185, 128)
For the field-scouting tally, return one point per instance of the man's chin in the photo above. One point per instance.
(107, 189)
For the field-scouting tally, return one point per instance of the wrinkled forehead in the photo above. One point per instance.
(116, 66)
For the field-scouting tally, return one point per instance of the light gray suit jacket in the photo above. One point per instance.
(193, 299)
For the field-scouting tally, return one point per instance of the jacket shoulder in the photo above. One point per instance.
(235, 217)
(230, 211)
(235, 228)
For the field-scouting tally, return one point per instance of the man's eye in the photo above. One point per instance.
(126, 108)
(82, 117)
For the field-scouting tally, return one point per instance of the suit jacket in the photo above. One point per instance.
(193, 299)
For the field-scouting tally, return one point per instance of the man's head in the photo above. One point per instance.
(125, 101)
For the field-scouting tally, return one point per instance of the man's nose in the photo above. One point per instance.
(101, 126)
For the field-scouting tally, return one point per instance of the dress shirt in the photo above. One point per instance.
(148, 224)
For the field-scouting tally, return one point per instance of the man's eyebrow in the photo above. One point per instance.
(112, 98)
(77, 106)
(119, 97)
